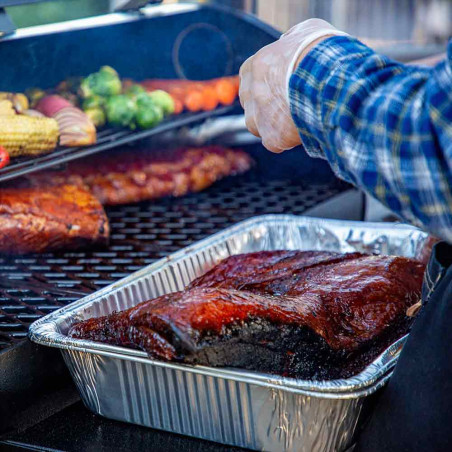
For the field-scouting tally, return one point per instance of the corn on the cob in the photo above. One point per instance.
(19, 101)
(24, 135)
(6, 108)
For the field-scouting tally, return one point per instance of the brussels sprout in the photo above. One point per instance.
(120, 110)
(93, 102)
(134, 90)
(148, 116)
(163, 100)
(143, 99)
(96, 115)
(109, 69)
(102, 83)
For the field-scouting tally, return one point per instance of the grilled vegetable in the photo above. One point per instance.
(93, 102)
(71, 98)
(6, 108)
(103, 83)
(50, 105)
(120, 110)
(148, 116)
(34, 113)
(226, 89)
(163, 100)
(96, 115)
(76, 129)
(134, 90)
(4, 157)
(196, 95)
(24, 135)
(109, 70)
(19, 100)
(193, 100)
(148, 113)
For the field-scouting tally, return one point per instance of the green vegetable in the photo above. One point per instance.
(96, 115)
(148, 113)
(148, 116)
(103, 83)
(120, 110)
(109, 69)
(92, 102)
(143, 99)
(134, 90)
(163, 100)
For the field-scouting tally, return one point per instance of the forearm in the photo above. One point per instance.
(383, 126)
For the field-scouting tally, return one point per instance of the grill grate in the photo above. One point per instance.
(107, 138)
(34, 285)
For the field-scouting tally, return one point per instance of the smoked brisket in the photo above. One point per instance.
(310, 314)
(34, 220)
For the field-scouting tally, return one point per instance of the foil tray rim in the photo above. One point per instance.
(45, 331)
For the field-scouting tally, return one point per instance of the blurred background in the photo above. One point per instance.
(381, 22)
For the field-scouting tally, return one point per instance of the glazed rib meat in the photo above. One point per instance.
(132, 176)
(306, 314)
(34, 220)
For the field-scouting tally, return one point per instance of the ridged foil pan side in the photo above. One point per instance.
(217, 409)
(232, 406)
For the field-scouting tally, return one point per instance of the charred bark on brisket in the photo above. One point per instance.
(312, 314)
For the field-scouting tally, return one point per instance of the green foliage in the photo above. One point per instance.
(56, 11)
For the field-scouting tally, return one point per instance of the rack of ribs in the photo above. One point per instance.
(307, 314)
(128, 176)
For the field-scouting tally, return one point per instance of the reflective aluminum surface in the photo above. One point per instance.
(231, 406)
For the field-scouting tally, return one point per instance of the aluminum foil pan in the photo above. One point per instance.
(230, 406)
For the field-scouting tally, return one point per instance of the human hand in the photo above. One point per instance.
(264, 83)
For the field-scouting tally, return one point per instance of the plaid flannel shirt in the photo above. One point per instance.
(383, 126)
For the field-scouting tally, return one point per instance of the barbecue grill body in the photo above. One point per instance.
(192, 41)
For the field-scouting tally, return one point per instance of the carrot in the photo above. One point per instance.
(225, 90)
(197, 95)
(235, 80)
(165, 84)
(193, 100)
(178, 105)
(209, 95)
(211, 99)
(178, 94)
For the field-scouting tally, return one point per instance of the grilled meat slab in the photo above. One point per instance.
(306, 314)
(133, 176)
(34, 220)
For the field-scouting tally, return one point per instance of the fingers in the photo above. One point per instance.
(272, 146)
(250, 118)
(245, 87)
(263, 98)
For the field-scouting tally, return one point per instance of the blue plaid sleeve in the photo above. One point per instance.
(383, 126)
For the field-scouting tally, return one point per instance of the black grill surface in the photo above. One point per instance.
(34, 285)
